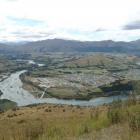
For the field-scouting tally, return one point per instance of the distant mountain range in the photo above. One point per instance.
(60, 45)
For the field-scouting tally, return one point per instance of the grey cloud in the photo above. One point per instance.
(135, 25)
(23, 34)
(100, 30)
(46, 33)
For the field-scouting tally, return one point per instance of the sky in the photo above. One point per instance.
(92, 20)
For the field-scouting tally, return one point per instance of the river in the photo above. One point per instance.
(12, 90)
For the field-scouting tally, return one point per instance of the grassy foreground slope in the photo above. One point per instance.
(117, 121)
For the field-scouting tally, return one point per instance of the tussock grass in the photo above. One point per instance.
(120, 120)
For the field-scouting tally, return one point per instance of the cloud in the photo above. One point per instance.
(29, 35)
(74, 19)
(135, 25)
(100, 30)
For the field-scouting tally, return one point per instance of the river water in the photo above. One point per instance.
(12, 90)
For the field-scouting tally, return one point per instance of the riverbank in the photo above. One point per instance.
(12, 90)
